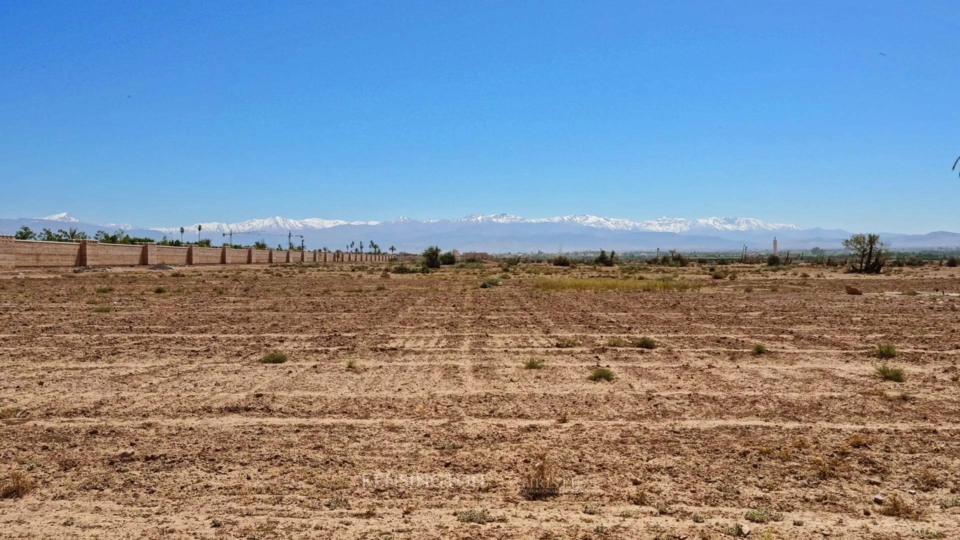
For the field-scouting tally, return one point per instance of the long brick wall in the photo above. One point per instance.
(28, 253)
(112, 254)
(45, 253)
(235, 256)
(261, 256)
(172, 255)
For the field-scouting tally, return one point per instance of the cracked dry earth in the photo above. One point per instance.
(405, 411)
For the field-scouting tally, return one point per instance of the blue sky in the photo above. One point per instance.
(834, 114)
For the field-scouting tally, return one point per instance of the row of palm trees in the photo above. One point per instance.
(182, 230)
(352, 246)
(372, 246)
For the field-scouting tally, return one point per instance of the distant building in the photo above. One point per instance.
(774, 245)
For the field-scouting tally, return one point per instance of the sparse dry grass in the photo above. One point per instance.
(621, 285)
(428, 379)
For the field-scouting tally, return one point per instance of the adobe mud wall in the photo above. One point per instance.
(28, 253)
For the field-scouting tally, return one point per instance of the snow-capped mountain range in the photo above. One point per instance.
(266, 224)
(664, 224)
(499, 233)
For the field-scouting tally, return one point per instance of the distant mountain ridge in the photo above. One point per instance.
(501, 233)
(664, 224)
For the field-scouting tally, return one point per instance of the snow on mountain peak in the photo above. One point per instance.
(267, 224)
(62, 216)
(492, 218)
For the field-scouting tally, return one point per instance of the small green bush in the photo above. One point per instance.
(644, 343)
(890, 373)
(159, 290)
(273, 358)
(758, 349)
(601, 374)
(762, 515)
(102, 309)
(448, 258)
(617, 342)
(404, 269)
(534, 363)
(885, 350)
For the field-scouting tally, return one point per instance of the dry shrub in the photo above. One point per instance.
(541, 479)
(15, 486)
(897, 507)
(859, 441)
(825, 468)
(928, 480)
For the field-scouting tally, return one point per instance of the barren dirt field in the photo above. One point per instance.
(134, 403)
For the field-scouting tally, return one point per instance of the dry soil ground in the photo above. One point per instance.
(405, 410)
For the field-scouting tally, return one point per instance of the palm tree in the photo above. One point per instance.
(181, 235)
(352, 244)
(361, 246)
(199, 228)
(392, 250)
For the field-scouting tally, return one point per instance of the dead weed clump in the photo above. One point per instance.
(480, 517)
(897, 507)
(541, 479)
(568, 343)
(15, 486)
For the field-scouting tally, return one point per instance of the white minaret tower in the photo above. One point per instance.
(774, 245)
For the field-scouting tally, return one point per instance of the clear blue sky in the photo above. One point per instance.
(835, 114)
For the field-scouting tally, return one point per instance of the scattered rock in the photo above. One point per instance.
(878, 498)
(126, 455)
(853, 290)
